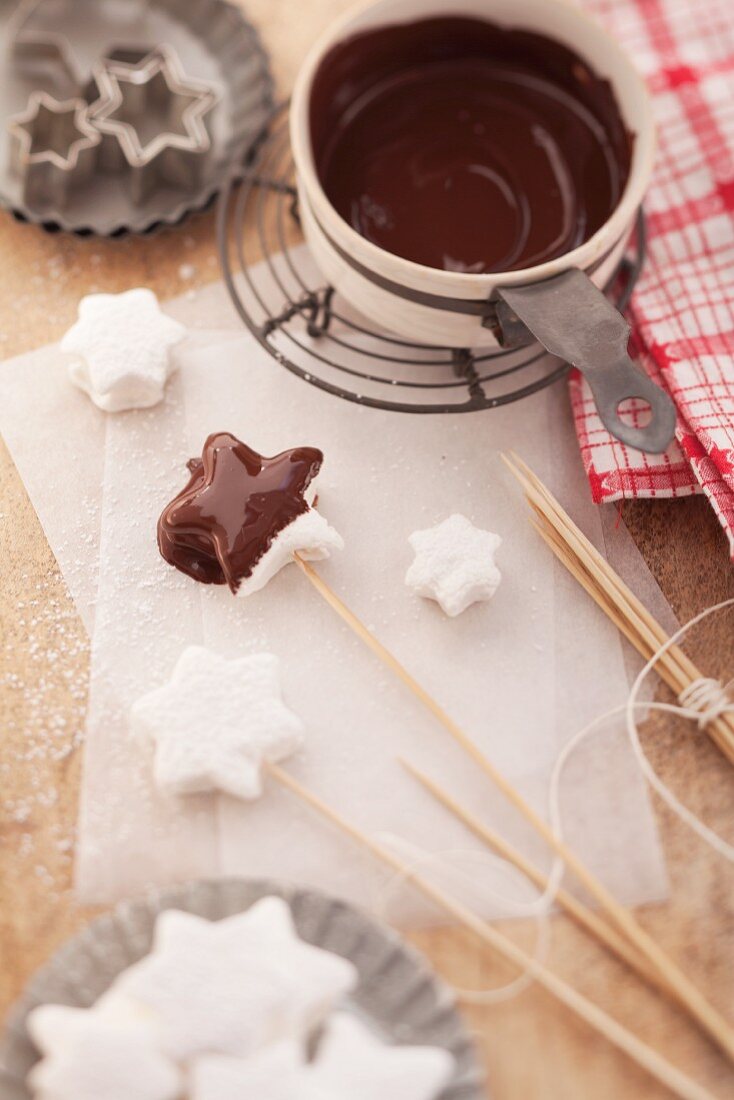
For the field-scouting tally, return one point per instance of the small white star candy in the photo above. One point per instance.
(232, 986)
(89, 1056)
(454, 564)
(352, 1062)
(215, 722)
(122, 344)
(275, 1074)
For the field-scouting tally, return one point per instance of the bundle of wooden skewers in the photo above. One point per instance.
(615, 927)
(616, 600)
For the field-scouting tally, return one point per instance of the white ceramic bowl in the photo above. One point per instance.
(352, 263)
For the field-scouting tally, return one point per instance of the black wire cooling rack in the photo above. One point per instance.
(308, 328)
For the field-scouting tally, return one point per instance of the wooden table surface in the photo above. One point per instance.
(531, 1046)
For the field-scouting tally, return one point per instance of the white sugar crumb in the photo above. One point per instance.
(186, 271)
(56, 267)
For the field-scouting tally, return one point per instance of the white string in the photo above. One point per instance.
(702, 702)
(721, 704)
(538, 907)
(709, 697)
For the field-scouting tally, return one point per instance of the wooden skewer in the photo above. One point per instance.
(585, 917)
(696, 1004)
(650, 1060)
(600, 582)
(616, 599)
(669, 671)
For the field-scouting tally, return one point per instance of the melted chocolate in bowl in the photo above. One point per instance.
(465, 146)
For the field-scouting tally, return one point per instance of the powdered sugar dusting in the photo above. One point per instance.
(42, 728)
(135, 650)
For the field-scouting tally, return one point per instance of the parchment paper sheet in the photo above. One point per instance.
(65, 450)
(522, 673)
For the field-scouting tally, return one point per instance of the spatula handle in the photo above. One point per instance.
(574, 321)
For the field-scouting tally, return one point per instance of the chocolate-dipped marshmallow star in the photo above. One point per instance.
(243, 516)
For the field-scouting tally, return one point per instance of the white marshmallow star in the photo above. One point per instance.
(317, 979)
(275, 1074)
(53, 1027)
(123, 344)
(215, 722)
(235, 985)
(352, 1062)
(89, 1055)
(454, 564)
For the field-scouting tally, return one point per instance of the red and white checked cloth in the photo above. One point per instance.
(682, 312)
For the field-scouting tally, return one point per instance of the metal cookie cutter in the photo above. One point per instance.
(152, 116)
(53, 148)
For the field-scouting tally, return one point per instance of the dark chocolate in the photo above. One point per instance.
(466, 146)
(235, 503)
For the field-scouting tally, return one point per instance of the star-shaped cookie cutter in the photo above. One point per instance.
(131, 95)
(53, 146)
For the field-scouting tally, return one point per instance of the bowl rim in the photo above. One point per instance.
(460, 284)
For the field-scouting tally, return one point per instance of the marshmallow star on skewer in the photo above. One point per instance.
(454, 564)
(122, 344)
(243, 516)
(216, 723)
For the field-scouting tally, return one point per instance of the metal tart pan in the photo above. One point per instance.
(215, 43)
(398, 995)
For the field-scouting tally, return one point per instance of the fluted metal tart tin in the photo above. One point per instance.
(54, 46)
(398, 995)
